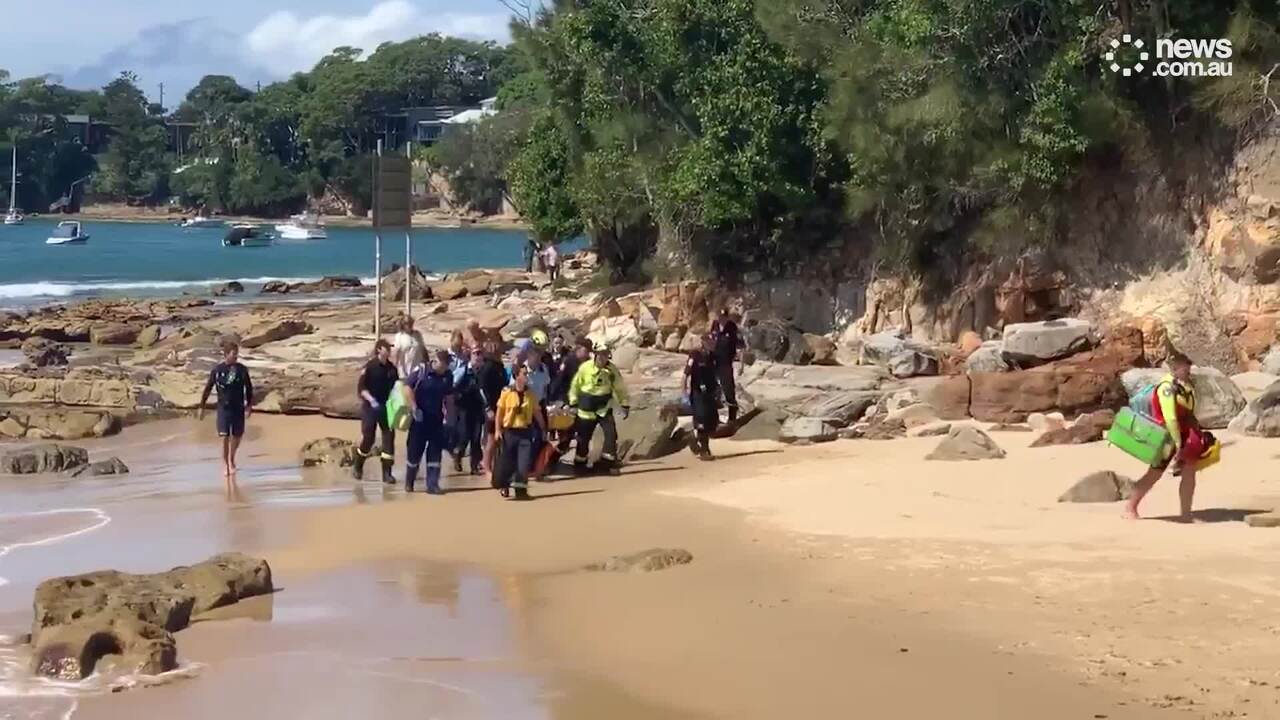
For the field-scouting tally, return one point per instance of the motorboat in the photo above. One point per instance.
(68, 232)
(13, 217)
(244, 235)
(304, 226)
(200, 222)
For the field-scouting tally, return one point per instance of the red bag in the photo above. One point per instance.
(546, 457)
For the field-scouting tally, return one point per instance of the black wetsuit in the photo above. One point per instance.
(235, 392)
(378, 379)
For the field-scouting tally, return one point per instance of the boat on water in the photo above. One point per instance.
(201, 222)
(305, 226)
(13, 217)
(245, 235)
(68, 232)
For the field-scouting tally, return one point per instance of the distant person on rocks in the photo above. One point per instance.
(596, 390)
(429, 391)
(702, 387)
(235, 402)
(551, 258)
(469, 425)
(409, 351)
(1173, 404)
(517, 417)
(726, 343)
(530, 252)
(374, 387)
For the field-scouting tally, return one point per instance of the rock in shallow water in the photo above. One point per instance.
(644, 561)
(111, 466)
(326, 451)
(45, 458)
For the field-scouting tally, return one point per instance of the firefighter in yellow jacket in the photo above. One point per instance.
(597, 389)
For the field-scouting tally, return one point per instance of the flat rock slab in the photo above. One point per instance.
(1263, 520)
(82, 618)
(111, 466)
(644, 561)
(1100, 487)
(47, 458)
(1048, 340)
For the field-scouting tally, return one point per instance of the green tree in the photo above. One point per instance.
(539, 177)
(135, 166)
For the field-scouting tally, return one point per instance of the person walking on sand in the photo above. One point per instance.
(493, 378)
(702, 387)
(551, 259)
(409, 350)
(727, 342)
(235, 402)
(429, 392)
(374, 387)
(1173, 405)
(596, 389)
(469, 403)
(518, 415)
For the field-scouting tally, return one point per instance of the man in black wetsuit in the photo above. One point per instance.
(235, 402)
(726, 342)
(375, 384)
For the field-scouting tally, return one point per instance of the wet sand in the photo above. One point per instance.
(837, 581)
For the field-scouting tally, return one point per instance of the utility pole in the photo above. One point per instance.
(377, 250)
(162, 98)
(408, 242)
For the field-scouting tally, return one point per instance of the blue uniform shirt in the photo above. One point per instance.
(429, 392)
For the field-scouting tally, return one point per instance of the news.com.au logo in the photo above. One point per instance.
(1174, 58)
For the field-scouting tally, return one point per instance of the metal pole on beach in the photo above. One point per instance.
(408, 242)
(377, 250)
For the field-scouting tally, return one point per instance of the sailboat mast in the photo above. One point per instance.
(13, 181)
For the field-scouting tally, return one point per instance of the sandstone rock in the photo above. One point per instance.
(47, 458)
(278, 287)
(913, 416)
(912, 363)
(1271, 361)
(114, 334)
(1100, 487)
(1088, 428)
(401, 281)
(837, 408)
(949, 397)
(82, 618)
(822, 350)
(1010, 427)
(673, 341)
(614, 331)
(449, 290)
(1042, 422)
(41, 352)
(149, 336)
(1263, 520)
(881, 428)
(440, 309)
(1010, 397)
(806, 429)
(327, 284)
(987, 358)
(231, 288)
(1252, 384)
(1218, 400)
(1261, 417)
(880, 348)
(328, 451)
(523, 326)
(770, 340)
(56, 423)
(111, 466)
(1039, 342)
(274, 331)
(690, 342)
(933, 429)
(969, 342)
(650, 433)
(765, 424)
(966, 443)
(644, 561)
(902, 399)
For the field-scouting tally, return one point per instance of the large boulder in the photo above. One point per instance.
(1253, 384)
(82, 618)
(110, 466)
(807, 429)
(56, 423)
(46, 458)
(987, 358)
(448, 290)
(274, 287)
(328, 451)
(614, 331)
(838, 408)
(1261, 417)
(770, 340)
(114, 334)
(1100, 487)
(1088, 428)
(1036, 343)
(821, 349)
(912, 363)
(275, 331)
(1011, 396)
(1218, 400)
(401, 281)
(966, 443)
(41, 352)
(763, 424)
(650, 433)
(892, 349)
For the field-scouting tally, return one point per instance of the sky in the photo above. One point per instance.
(176, 42)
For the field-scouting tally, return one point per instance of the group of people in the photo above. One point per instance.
(489, 409)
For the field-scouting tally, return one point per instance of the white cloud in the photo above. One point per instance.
(285, 43)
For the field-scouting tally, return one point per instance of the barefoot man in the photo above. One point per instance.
(235, 402)
(1173, 405)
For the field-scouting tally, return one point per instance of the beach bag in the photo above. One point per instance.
(398, 416)
(1139, 436)
(1212, 452)
(1141, 400)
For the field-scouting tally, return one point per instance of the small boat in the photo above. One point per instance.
(305, 226)
(13, 217)
(200, 221)
(68, 232)
(247, 236)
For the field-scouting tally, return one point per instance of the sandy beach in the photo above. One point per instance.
(838, 578)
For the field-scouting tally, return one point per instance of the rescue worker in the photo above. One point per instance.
(595, 391)
(1173, 405)
(374, 387)
(726, 343)
(518, 415)
(429, 393)
(702, 387)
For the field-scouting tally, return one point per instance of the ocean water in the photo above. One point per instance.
(153, 259)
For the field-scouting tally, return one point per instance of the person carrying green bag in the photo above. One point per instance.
(375, 389)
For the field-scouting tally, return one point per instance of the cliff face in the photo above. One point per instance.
(1191, 251)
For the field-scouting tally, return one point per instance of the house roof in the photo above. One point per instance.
(466, 117)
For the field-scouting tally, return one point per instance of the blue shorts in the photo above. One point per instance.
(230, 422)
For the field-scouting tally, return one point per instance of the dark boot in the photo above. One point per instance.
(520, 493)
(733, 414)
(357, 466)
(386, 473)
(410, 478)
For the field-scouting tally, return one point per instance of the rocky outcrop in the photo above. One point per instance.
(644, 561)
(47, 458)
(1218, 400)
(650, 433)
(838, 409)
(1010, 397)
(1100, 487)
(75, 322)
(896, 352)
(114, 334)
(275, 331)
(110, 466)
(1088, 428)
(82, 618)
(409, 281)
(1261, 417)
(231, 288)
(327, 284)
(1029, 344)
(17, 423)
(988, 358)
(327, 451)
(41, 352)
(966, 443)
(806, 430)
